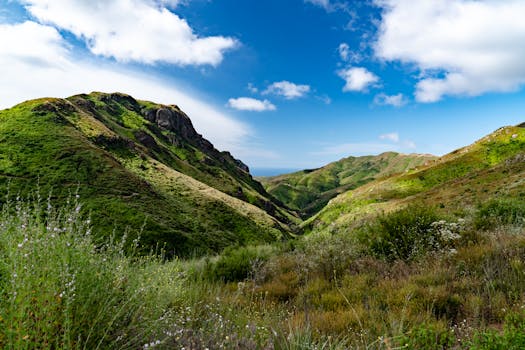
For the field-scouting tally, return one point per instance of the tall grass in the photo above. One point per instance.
(61, 290)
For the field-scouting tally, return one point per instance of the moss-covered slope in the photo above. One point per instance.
(308, 191)
(136, 164)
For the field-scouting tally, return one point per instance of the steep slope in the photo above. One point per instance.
(492, 167)
(136, 164)
(308, 191)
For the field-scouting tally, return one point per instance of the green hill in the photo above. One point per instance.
(308, 191)
(136, 164)
(491, 168)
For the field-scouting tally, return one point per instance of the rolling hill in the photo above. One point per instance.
(308, 191)
(491, 168)
(137, 164)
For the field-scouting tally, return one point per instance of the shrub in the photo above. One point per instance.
(404, 234)
(500, 212)
(512, 337)
(428, 337)
(237, 263)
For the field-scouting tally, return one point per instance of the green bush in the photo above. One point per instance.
(428, 337)
(512, 337)
(500, 212)
(237, 263)
(404, 234)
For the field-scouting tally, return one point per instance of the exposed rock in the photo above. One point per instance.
(146, 139)
(164, 119)
(516, 159)
(123, 99)
(241, 165)
(176, 121)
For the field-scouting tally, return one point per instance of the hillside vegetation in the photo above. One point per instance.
(308, 191)
(490, 168)
(136, 165)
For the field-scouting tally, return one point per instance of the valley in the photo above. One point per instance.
(139, 233)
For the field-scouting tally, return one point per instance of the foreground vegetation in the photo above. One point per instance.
(412, 279)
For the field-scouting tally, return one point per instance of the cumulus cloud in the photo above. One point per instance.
(460, 47)
(287, 89)
(397, 100)
(132, 30)
(357, 78)
(251, 104)
(35, 62)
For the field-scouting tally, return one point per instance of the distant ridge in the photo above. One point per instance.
(308, 191)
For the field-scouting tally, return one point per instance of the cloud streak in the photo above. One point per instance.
(397, 100)
(287, 89)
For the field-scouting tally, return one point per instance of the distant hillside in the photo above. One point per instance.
(493, 167)
(137, 164)
(308, 191)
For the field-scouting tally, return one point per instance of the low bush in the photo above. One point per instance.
(237, 263)
(512, 337)
(405, 234)
(500, 212)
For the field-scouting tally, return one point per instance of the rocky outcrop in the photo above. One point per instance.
(174, 120)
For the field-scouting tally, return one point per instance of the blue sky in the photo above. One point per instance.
(284, 84)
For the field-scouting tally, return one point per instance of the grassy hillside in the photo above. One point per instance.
(492, 167)
(308, 191)
(137, 165)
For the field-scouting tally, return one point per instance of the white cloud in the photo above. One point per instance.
(461, 47)
(347, 55)
(252, 88)
(344, 51)
(321, 3)
(357, 78)
(132, 30)
(394, 136)
(397, 100)
(251, 104)
(287, 89)
(35, 62)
